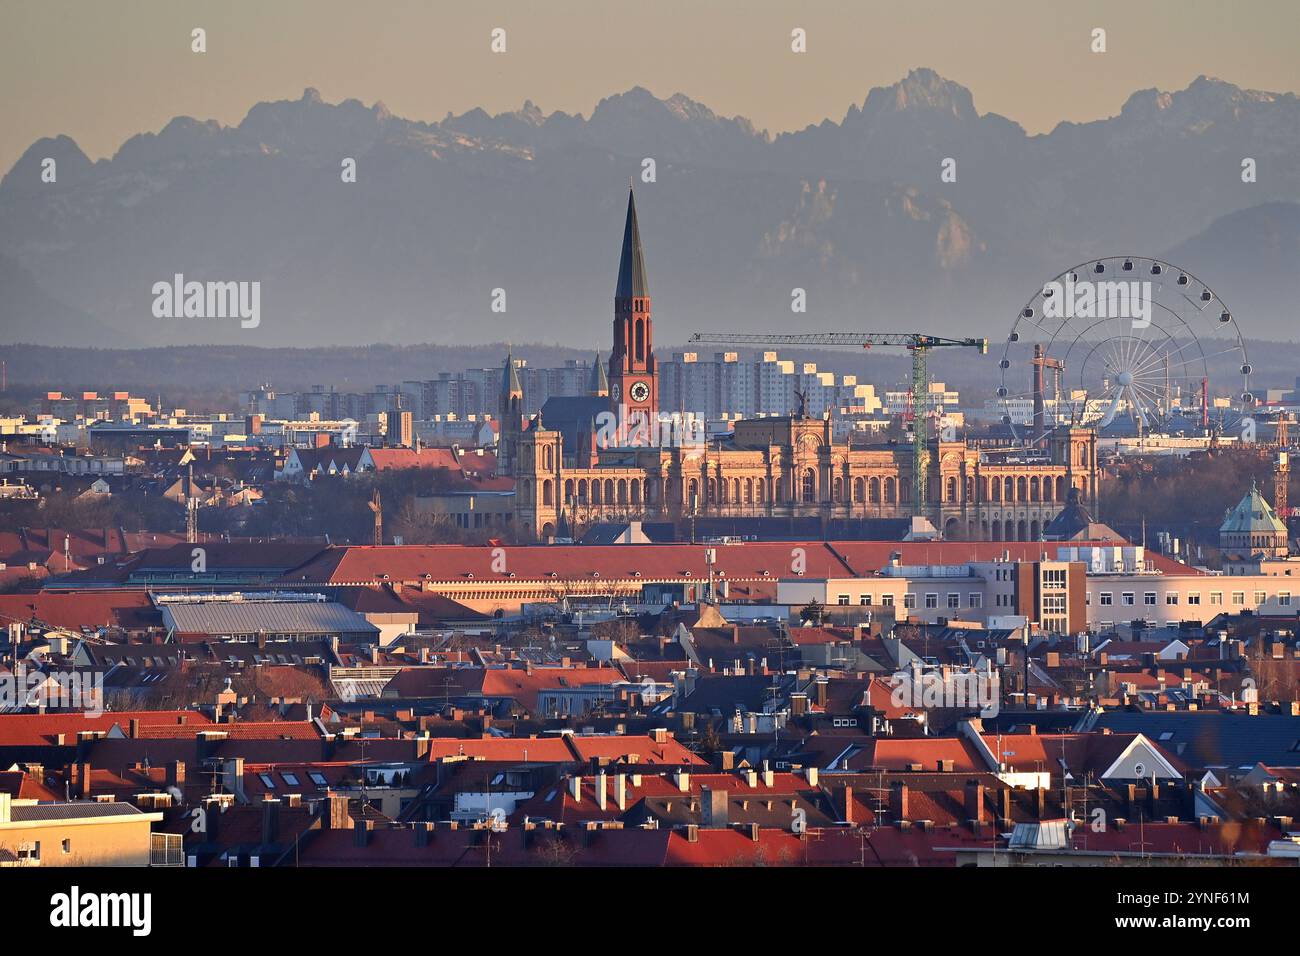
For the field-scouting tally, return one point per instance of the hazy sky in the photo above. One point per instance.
(101, 70)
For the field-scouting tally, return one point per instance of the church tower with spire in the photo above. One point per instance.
(633, 372)
(510, 414)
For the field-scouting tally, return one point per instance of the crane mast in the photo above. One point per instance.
(918, 343)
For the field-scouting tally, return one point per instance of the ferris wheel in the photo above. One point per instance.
(1125, 341)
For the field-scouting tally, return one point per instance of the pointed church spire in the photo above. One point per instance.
(631, 266)
(510, 384)
(598, 383)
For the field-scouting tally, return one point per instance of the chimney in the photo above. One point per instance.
(212, 821)
(898, 801)
(714, 806)
(575, 787)
(361, 832)
(270, 822)
(1040, 802)
(848, 804)
(726, 760)
(682, 779)
(600, 789)
(975, 802)
(769, 776)
(135, 728)
(232, 774)
(176, 774)
(811, 774)
(620, 790)
(83, 781)
(1005, 799)
(338, 811)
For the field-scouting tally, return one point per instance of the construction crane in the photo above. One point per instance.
(918, 343)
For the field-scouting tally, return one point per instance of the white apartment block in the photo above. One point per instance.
(942, 399)
(1120, 584)
(724, 387)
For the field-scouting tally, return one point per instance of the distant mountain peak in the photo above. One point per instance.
(1203, 95)
(922, 89)
(63, 149)
(59, 147)
(636, 97)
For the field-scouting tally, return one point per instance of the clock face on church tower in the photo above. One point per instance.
(639, 392)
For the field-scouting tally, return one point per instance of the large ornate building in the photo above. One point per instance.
(567, 471)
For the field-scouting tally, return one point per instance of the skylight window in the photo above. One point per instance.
(290, 778)
(266, 781)
(318, 779)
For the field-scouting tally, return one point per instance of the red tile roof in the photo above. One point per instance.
(513, 683)
(240, 730)
(335, 773)
(131, 610)
(820, 635)
(557, 803)
(389, 458)
(516, 749)
(364, 564)
(431, 607)
(621, 748)
(750, 561)
(1228, 838)
(899, 754)
(566, 749)
(34, 730)
(21, 785)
